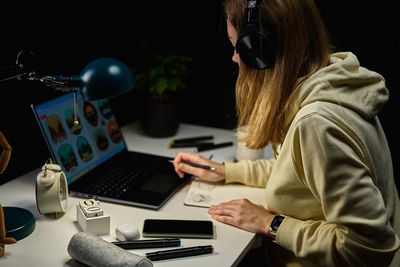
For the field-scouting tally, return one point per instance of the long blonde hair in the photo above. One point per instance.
(264, 98)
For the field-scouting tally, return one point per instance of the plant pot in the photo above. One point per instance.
(160, 119)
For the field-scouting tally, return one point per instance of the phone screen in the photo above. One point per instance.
(178, 228)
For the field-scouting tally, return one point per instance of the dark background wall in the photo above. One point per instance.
(66, 37)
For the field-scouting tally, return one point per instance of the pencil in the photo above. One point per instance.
(178, 253)
(194, 144)
(206, 167)
(148, 243)
(192, 139)
(210, 147)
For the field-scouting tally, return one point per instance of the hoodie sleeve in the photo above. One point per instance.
(356, 229)
(252, 173)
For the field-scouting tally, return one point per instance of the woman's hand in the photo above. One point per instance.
(208, 175)
(243, 214)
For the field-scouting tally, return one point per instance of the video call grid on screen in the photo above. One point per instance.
(81, 148)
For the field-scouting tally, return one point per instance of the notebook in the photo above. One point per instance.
(95, 158)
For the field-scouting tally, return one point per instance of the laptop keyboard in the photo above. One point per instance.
(117, 182)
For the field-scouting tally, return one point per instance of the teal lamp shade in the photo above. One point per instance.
(104, 78)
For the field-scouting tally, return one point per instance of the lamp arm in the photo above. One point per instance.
(12, 73)
(47, 80)
(59, 82)
(21, 70)
(12, 78)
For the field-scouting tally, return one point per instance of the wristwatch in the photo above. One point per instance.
(276, 222)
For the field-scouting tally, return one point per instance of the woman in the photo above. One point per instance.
(330, 192)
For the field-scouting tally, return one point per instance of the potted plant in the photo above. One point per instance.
(162, 76)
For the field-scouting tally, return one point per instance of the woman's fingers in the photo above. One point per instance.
(181, 167)
(243, 214)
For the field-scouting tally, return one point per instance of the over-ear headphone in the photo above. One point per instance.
(255, 46)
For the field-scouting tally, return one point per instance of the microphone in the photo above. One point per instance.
(94, 251)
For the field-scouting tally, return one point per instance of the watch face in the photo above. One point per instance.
(276, 222)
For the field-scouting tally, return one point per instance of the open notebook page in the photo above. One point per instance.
(205, 194)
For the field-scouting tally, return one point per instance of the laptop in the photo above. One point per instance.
(95, 158)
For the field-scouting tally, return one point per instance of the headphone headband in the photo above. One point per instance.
(251, 14)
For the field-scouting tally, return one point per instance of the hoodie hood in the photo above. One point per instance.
(345, 83)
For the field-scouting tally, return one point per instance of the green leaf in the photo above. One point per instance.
(163, 71)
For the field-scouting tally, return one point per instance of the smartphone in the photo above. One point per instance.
(178, 228)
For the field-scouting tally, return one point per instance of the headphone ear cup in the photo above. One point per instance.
(256, 50)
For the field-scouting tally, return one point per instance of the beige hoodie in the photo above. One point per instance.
(333, 177)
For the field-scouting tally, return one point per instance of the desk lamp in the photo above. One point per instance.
(101, 78)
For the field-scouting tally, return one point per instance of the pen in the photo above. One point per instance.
(192, 139)
(209, 147)
(149, 243)
(196, 165)
(178, 253)
(189, 144)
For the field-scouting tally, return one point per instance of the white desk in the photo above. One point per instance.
(47, 245)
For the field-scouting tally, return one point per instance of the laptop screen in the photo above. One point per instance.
(79, 148)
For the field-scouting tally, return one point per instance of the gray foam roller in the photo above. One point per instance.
(94, 251)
